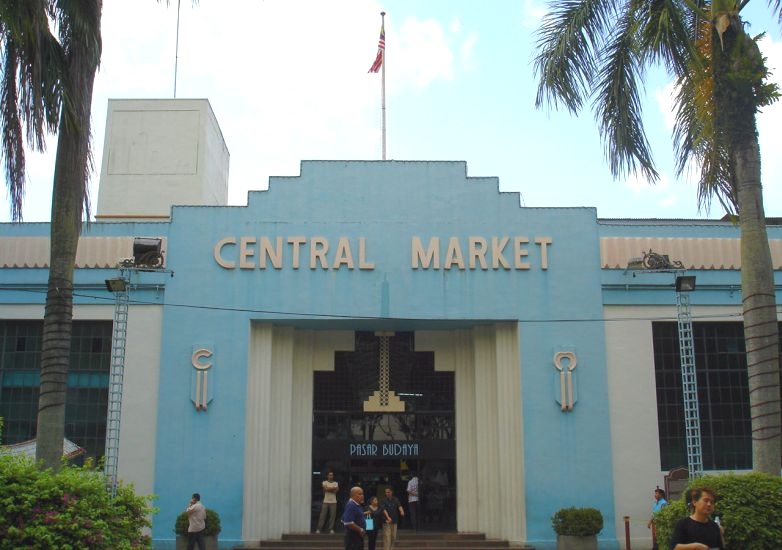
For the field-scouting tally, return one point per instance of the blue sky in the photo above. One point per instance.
(288, 81)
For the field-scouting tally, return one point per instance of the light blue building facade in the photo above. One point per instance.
(550, 341)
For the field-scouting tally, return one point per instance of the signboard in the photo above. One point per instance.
(346, 450)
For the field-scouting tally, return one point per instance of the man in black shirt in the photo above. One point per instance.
(698, 532)
(392, 512)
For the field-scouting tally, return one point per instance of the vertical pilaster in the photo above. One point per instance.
(278, 436)
(301, 417)
(467, 510)
(510, 444)
(256, 473)
(486, 429)
(280, 429)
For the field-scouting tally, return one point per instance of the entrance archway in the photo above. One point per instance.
(367, 446)
(278, 465)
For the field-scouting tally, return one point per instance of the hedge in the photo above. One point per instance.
(749, 507)
(68, 509)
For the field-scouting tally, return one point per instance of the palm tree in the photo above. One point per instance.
(47, 84)
(599, 50)
(46, 87)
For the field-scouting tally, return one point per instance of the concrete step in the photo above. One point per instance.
(405, 541)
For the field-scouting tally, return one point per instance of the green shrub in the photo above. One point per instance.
(212, 523)
(67, 509)
(749, 507)
(577, 522)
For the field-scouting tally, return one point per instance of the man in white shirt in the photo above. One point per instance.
(412, 500)
(196, 519)
(329, 507)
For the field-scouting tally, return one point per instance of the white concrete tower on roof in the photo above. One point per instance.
(159, 153)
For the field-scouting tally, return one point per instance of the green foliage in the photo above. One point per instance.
(212, 523)
(68, 509)
(577, 522)
(749, 507)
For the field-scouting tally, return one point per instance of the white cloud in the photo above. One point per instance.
(532, 14)
(638, 184)
(424, 54)
(669, 202)
(665, 102)
(467, 49)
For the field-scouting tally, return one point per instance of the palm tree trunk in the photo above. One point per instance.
(736, 64)
(70, 186)
(761, 331)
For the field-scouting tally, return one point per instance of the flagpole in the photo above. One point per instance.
(383, 91)
(176, 50)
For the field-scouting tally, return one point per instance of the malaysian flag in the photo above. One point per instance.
(381, 48)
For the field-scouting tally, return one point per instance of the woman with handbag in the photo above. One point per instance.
(374, 516)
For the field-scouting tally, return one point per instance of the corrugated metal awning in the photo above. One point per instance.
(694, 253)
(93, 252)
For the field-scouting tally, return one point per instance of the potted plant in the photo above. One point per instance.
(577, 528)
(213, 528)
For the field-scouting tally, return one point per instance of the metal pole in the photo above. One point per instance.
(383, 90)
(176, 52)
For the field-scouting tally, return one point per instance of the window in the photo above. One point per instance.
(723, 395)
(88, 382)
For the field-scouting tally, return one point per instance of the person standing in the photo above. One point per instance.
(698, 531)
(375, 512)
(393, 513)
(329, 506)
(196, 523)
(657, 505)
(353, 520)
(412, 500)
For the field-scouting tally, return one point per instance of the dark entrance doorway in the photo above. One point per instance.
(375, 450)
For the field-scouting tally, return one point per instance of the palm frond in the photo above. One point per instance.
(776, 8)
(568, 41)
(696, 140)
(78, 25)
(665, 35)
(39, 66)
(618, 104)
(12, 133)
(32, 68)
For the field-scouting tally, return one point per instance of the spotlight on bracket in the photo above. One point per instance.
(147, 252)
(116, 285)
(685, 283)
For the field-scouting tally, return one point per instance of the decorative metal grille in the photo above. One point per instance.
(411, 374)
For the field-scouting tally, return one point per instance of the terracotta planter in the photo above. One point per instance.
(210, 540)
(568, 542)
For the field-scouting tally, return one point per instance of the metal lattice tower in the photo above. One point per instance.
(116, 375)
(692, 419)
